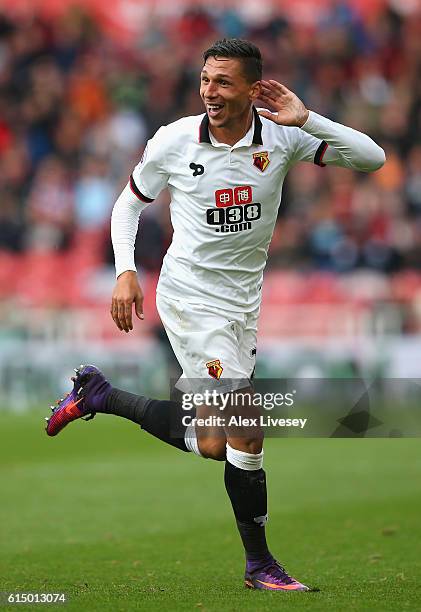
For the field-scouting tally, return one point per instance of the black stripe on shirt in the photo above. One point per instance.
(318, 158)
(138, 193)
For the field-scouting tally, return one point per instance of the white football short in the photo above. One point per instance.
(215, 349)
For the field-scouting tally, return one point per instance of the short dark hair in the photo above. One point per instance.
(249, 54)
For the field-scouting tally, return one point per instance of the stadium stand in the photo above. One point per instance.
(77, 103)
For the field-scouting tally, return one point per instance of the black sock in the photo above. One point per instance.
(247, 492)
(160, 418)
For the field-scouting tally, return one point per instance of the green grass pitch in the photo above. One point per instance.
(119, 521)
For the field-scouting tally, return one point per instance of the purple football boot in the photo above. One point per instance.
(90, 391)
(272, 577)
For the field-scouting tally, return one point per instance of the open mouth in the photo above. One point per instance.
(214, 109)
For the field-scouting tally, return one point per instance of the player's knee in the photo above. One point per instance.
(252, 443)
(213, 449)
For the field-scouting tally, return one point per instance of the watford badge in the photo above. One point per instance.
(261, 160)
(215, 369)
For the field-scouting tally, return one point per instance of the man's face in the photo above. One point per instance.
(225, 91)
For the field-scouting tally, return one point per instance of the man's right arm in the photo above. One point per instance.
(148, 179)
(127, 291)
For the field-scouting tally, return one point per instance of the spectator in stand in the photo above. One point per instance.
(94, 195)
(50, 207)
(11, 230)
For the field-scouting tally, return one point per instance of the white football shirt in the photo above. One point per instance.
(225, 199)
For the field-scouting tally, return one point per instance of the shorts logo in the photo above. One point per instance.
(215, 369)
(261, 160)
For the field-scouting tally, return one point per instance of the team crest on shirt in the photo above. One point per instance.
(261, 160)
(215, 369)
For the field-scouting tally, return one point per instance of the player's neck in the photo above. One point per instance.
(231, 134)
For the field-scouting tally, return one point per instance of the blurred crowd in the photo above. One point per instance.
(77, 106)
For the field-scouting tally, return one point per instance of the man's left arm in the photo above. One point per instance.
(343, 146)
(322, 140)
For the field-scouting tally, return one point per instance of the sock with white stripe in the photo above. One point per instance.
(245, 482)
(190, 440)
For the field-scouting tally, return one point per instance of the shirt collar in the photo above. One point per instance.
(204, 135)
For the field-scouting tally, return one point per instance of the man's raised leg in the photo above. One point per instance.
(92, 393)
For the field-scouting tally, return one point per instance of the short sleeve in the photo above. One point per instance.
(309, 148)
(150, 176)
